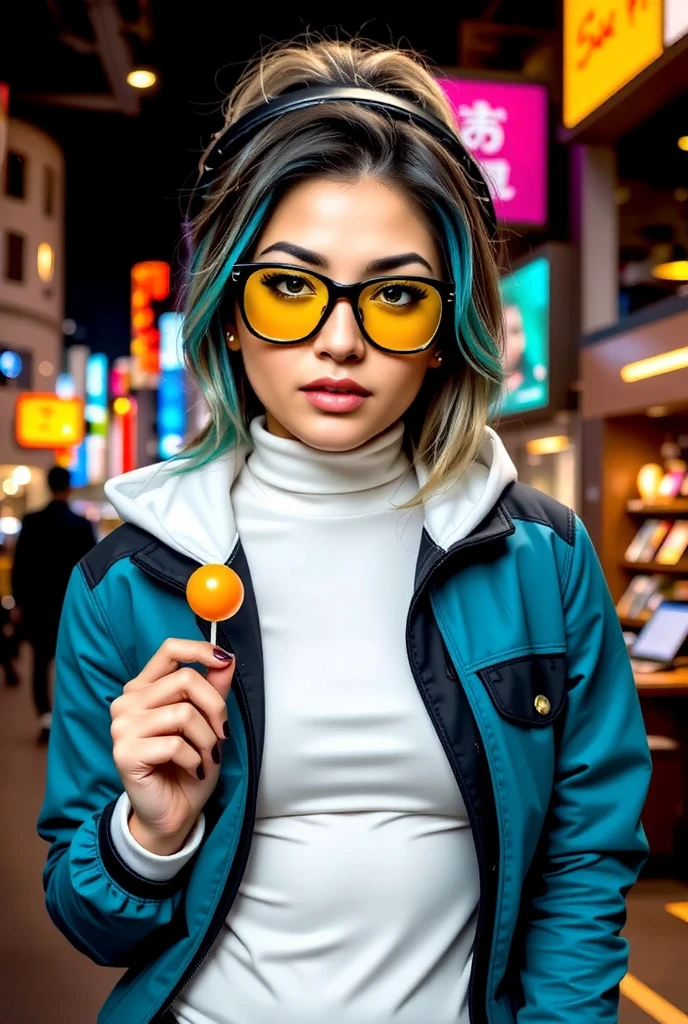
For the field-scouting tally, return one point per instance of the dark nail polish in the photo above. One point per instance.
(222, 655)
(215, 754)
(200, 771)
(225, 729)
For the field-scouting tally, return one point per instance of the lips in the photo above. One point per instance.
(336, 386)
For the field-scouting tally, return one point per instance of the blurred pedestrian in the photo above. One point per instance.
(50, 544)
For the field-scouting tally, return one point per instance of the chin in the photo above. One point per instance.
(336, 432)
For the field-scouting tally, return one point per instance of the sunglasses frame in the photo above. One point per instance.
(335, 291)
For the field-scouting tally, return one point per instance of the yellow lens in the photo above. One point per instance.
(401, 315)
(283, 305)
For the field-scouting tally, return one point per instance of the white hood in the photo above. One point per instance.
(192, 512)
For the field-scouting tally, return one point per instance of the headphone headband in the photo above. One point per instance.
(235, 135)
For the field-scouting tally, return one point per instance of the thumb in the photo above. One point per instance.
(221, 678)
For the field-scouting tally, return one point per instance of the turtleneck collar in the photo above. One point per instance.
(305, 479)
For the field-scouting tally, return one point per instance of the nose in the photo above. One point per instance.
(340, 337)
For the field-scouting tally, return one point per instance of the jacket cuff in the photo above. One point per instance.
(129, 865)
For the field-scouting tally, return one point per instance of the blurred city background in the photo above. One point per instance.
(578, 112)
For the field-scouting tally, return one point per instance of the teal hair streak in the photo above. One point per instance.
(476, 345)
(220, 391)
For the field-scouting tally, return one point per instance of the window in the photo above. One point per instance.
(14, 257)
(16, 368)
(49, 191)
(15, 175)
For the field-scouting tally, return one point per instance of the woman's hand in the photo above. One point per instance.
(167, 729)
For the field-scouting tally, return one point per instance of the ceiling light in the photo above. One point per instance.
(548, 445)
(677, 359)
(141, 78)
(683, 142)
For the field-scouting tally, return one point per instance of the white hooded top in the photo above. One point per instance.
(359, 900)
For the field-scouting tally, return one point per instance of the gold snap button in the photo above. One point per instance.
(542, 705)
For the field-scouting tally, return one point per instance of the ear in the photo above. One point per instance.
(231, 338)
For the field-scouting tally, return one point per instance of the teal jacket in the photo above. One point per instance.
(518, 655)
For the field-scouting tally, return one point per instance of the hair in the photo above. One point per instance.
(344, 140)
(59, 480)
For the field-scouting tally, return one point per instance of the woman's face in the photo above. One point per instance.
(515, 338)
(339, 229)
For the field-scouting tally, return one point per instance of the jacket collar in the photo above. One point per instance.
(191, 512)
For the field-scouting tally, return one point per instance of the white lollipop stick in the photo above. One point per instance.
(213, 633)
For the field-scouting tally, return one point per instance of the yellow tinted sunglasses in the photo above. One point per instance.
(286, 305)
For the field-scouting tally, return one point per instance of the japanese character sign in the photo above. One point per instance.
(504, 126)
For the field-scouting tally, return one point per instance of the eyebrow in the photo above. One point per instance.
(316, 259)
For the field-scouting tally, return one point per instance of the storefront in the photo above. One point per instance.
(625, 89)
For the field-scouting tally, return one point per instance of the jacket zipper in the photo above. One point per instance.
(458, 776)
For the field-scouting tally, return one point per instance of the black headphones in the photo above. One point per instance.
(235, 135)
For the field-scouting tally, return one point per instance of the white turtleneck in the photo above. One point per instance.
(359, 900)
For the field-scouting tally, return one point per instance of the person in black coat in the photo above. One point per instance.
(50, 544)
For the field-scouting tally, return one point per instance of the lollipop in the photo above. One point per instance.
(215, 593)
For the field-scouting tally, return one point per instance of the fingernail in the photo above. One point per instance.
(222, 655)
(200, 771)
(225, 729)
(215, 754)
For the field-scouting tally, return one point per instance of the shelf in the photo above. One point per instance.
(675, 507)
(656, 567)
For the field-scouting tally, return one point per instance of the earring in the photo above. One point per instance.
(438, 357)
(230, 336)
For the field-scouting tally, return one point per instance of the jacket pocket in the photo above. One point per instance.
(530, 691)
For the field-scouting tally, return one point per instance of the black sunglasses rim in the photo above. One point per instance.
(446, 290)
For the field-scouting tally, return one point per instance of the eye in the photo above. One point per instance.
(400, 294)
(288, 285)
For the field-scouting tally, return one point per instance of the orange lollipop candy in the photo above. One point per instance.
(215, 593)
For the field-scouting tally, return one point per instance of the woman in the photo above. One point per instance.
(407, 785)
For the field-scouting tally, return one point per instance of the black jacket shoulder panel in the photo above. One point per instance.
(527, 503)
(123, 542)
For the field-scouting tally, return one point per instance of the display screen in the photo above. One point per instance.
(663, 636)
(525, 301)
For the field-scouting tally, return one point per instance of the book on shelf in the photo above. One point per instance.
(675, 544)
(647, 540)
(637, 595)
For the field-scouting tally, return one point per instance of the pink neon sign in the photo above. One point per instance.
(504, 125)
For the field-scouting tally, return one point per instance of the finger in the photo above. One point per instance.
(221, 679)
(173, 719)
(186, 684)
(173, 653)
(135, 758)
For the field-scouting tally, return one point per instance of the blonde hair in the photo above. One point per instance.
(344, 139)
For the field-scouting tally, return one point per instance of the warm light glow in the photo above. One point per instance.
(122, 406)
(10, 486)
(680, 194)
(677, 359)
(675, 271)
(45, 368)
(141, 79)
(45, 260)
(10, 525)
(648, 481)
(548, 445)
(42, 420)
(683, 143)
(21, 475)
